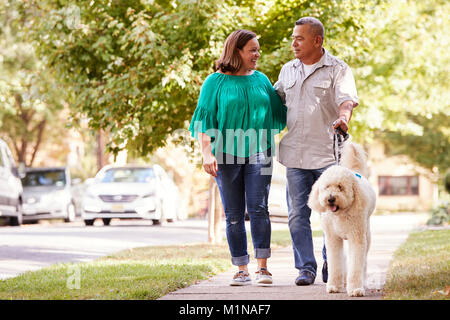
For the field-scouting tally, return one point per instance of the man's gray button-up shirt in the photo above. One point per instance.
(312, 103)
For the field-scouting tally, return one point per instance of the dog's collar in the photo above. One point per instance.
(358, 175)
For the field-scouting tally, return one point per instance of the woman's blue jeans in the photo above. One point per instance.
(299, 184)
(245, 183)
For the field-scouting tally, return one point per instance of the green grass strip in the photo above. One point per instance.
(140, 273)
(420, 269)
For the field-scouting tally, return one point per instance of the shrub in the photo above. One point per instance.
(440, 214)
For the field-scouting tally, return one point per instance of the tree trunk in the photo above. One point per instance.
(101, 158)
(40, 131)
(215, 211)
(211, 211)
(218, 212)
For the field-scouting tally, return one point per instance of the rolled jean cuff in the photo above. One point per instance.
(240, 261)
(262, 253)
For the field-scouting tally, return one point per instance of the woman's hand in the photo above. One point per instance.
(210, 164)
(209, 160)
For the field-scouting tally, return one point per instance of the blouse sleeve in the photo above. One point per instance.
(279, 110)
(205, 115)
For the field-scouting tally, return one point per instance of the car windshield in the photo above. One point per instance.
(128, 175)
(44, 178)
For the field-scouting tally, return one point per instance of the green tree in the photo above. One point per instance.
(134, 68)
(407, 83)
(430, 149)
(30, 98)
(398, 53)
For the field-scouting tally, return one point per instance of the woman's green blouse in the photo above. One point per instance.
(241, 114)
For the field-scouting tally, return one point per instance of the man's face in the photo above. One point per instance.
(304, 42)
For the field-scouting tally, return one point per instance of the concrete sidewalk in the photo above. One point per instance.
(388, 232)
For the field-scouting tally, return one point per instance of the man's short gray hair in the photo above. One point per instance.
(315, 24)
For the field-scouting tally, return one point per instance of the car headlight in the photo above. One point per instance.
(90, 195)
(32, 200)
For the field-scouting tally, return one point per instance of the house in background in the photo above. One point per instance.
(400, 185)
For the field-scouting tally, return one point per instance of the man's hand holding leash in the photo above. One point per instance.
(340, 125)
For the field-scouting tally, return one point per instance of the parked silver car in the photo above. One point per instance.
(130, 192)
(47, 194)
(10, 187)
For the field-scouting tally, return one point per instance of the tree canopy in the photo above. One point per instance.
(31, 100)
(134, 68)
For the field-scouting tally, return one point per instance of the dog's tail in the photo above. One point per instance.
(355, 158)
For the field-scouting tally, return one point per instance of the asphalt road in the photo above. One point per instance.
(31, 247)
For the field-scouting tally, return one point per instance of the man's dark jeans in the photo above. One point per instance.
(299, 184)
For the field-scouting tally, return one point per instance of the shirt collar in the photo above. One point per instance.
(324, 60)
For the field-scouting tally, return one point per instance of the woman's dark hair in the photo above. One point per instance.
(230, 60)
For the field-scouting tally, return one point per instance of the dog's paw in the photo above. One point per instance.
(357, 292)
(333, 289)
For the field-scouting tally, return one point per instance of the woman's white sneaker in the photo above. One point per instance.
(263, 276)
(241, 278)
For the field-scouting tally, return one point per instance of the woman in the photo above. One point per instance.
(237, 115)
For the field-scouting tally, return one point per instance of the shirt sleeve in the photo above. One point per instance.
(344, 86)
(205, 115)
(278, 108)
(278, 86)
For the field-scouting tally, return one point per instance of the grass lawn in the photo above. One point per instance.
(141, 273)
(420, 268)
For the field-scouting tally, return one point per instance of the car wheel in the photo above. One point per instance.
(89, 222)
(106, 221)
(70, 213)
(17, 220)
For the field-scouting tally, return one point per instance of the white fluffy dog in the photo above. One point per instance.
(345, 200)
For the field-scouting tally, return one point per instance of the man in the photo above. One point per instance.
(320, 93)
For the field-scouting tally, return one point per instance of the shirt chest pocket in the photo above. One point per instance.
(322, 90)
(289, 90)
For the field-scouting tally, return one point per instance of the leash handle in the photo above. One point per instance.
(342, 133)
(338, 139)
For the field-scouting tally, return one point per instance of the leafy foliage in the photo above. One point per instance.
(440, 214)
(31, 100)
(134, 68)
(429, 149)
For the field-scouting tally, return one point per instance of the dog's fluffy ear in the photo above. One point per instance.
(357, 195)
(313, 200)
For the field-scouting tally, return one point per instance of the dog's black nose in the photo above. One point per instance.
(331, 200)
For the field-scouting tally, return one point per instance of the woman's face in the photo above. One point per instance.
(250, 54)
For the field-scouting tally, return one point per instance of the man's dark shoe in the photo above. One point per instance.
(305, 279)
(325, 272)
